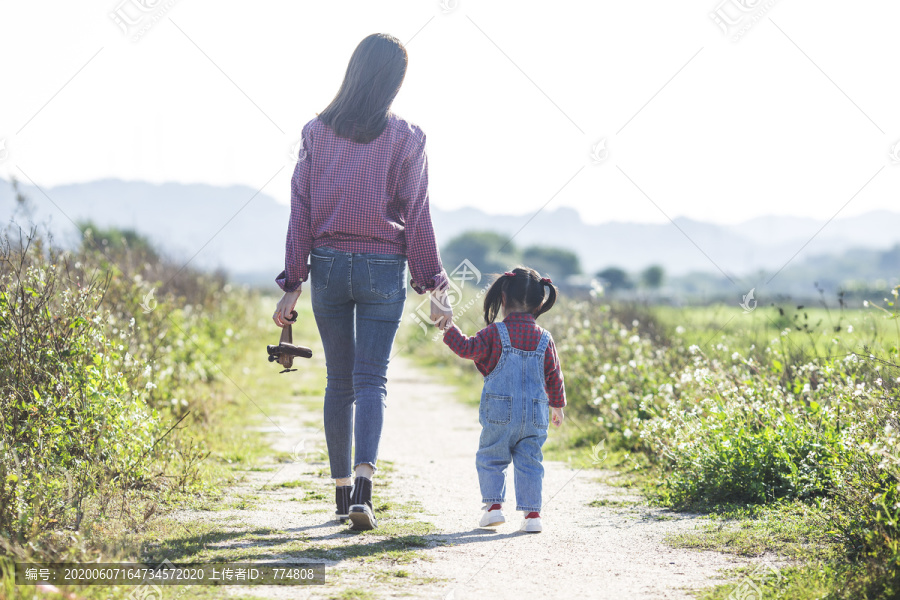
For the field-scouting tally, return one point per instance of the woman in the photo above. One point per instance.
(359, 212)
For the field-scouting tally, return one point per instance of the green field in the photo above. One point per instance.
(779, 423)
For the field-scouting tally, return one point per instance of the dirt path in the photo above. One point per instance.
(429, 545)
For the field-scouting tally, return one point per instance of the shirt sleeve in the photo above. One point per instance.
(477, 348)
(299, 234)
(553, 377)
(425, 266)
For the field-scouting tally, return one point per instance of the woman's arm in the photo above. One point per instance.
(299, 234)
(425, 266)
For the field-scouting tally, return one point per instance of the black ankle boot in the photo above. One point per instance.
(342, 498)
(361, 513)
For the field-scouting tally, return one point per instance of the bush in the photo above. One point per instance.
(102, 349)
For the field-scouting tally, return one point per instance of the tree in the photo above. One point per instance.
(615, 278)
(490, 252)
(652, 277)
(555, 263)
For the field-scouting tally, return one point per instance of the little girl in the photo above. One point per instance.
(521, 377)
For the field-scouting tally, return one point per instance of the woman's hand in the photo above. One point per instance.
(441, 312)
(557, 415)
(285, 306)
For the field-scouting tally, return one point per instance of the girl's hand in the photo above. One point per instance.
(441, 312)
(557, 415)
(285, 306)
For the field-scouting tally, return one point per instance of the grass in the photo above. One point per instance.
(234, 451)
(793, 530)
(353, 594)
(824, 331)
(760, 420)
(612, 503)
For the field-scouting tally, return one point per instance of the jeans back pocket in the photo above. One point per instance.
(497, 409)
(320, 270)
(385, 276)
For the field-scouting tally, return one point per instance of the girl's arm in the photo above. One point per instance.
(553, 377)
(477, 348)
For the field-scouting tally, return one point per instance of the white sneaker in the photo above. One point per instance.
(491, 518)
(531, 525)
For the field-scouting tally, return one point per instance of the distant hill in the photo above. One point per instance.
(243, 231)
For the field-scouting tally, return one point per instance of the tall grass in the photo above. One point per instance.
(754, 415)
(104, 353)
(721, 409)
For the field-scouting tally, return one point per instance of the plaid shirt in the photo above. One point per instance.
(485, 348)
(362, 198)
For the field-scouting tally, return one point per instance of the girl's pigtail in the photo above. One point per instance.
(493, 300)
(551, 299)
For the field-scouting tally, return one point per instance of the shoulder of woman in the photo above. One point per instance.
(312, 125)
(408, 128)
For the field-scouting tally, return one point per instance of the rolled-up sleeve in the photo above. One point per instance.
(299, 233)
(425, 268)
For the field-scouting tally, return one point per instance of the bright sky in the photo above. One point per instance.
(794, 118)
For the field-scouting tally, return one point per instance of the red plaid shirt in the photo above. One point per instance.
(362, 198)
(486, 347)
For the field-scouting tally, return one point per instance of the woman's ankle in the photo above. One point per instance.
(365, 470)
(343, 482)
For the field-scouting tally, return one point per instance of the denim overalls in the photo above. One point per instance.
(514, 417)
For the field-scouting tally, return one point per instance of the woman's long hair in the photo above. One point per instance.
(360, 109)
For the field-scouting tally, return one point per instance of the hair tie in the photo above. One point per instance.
(509, 274)
(546, 281)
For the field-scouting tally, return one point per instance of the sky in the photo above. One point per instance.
(639, 111)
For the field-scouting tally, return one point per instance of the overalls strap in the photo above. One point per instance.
(504, 335)
(542, 345)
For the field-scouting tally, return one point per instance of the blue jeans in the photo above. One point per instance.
(514, 416)
(357, 300)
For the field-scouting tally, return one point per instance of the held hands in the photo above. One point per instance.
(557, 415)
(285, 306)
(441, 312)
